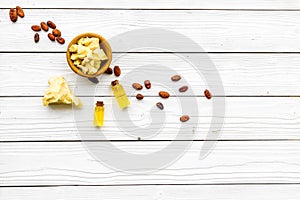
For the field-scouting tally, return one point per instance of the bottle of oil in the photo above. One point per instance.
(99, 114)
(120, 94)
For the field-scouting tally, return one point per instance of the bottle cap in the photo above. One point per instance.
(99, 103)
(113, 83)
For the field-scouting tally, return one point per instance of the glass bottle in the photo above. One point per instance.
(99, 114)
(120, 94)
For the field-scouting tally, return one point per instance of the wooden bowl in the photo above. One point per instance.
(103, 45)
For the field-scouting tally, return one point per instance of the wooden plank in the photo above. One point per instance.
(214, 31)
(70, 163)
(254, 74)
(183, 192)
(167, 4)
(25, 119)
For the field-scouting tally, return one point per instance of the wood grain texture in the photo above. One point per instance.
(241, 74)
(25, 119)
(156, 4)
(39, 145)
(214, 31)
(188, 192)
(229, 162)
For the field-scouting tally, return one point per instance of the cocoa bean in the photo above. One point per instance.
(139, 96)
(51, 24)
(183, 89)
(44, 26)
(137, 86)
(36, 28)
(51, 36)
(36, 38)
(207, 94)
(175, 78)
(147, 84)
(184, 118)
(160, 105)
(20, 11)
(164, 94)
(117, 70)
(13, 15)
(60, 40)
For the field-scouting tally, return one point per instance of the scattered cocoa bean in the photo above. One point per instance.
(147, 84)
(183, 89)
(207, 94)
(164, 94)
(175, 78)
(109, 71)
(184, 118)
(36, 28)
(13, 15)
(139, 96)
(160, 105)
(117, 70)
(44, 26)
(137, 86)
(60, 40)
(20, 11)
(51, 24)
(36, 38)
(56, 32)
(51, 36)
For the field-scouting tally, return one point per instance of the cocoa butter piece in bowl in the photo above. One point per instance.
(184, 118)
(164, 94)
(176, 78)
(137, 86)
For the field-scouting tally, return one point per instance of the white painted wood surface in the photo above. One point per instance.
(254, 46)
(214, 31)
(167, 192)
(156, 4)
(69, 163)
(253, 74)
(247, 118)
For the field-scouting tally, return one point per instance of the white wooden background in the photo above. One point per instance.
(255, 47)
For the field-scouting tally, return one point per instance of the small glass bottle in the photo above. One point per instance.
(120, 94)
(99, 114)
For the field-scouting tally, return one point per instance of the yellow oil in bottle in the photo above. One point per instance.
(120, 94)
(99, 114)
